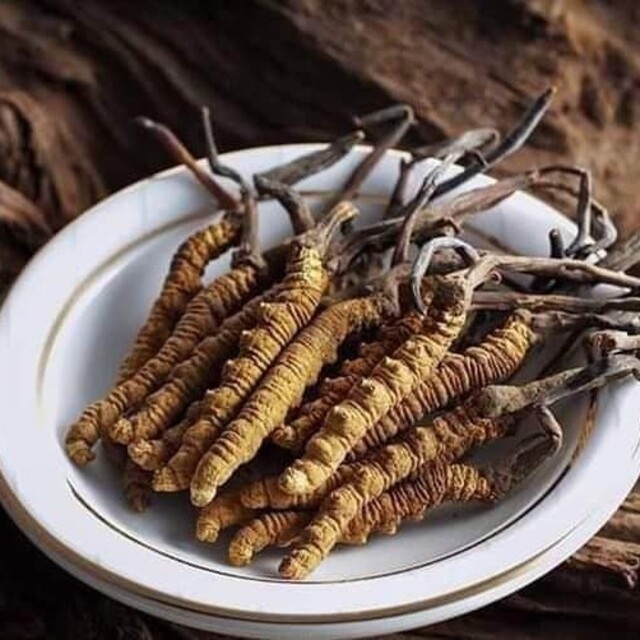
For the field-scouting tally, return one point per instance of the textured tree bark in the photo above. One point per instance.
(73, 75)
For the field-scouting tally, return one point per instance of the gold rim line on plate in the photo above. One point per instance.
(48, 543)
(58, 550)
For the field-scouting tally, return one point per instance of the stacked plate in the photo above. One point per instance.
(69, 320)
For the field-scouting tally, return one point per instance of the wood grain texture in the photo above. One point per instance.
(73, 75)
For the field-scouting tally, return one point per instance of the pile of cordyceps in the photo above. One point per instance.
(366, 374)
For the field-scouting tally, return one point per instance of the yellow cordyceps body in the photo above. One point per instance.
(137, 486)
(182, 282)
(430, 486)
(223, 512)
(277, 318)
(150, 455)
(282, 387)
(277, 528)
(494, 359)
(202, 315)
(155, 453)
(333, 390)
(188, 379)
(392, 379)
(408, 500)
(266, 492)
(445, 439)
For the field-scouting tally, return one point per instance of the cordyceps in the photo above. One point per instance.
(278, 320)
(495, 358)
(425, 489)
(282, 387)
(189, 379)
(189, 261)
(159, 346)
(487, 415)
(310, 416)
(247, 260)
(389, 382)
(302, 361)
(222, 403)
(435, 484)
(397, 373)
(183, 281)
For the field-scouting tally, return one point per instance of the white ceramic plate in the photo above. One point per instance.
(69, 320)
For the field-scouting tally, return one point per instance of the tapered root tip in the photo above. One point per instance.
(296, 565)
(139, 500)
(207, 530)
(122, 431)
(201, 496)
(240, 553)
(294, 482)
(80, 452)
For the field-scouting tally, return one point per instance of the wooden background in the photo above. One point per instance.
(74, 74)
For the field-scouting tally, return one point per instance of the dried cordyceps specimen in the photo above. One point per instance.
(189, 379)
(311, 415)
(428, 487)
(223, 512)
(227, 293)
(84, 433)
(277, 320)
(145, 369)
(276, 528)
(459, 428)
(436, 484)
(494, 359)
(442, 482)
(282, 387)
(284, 384)
(189, 262)
(182, 282)
(332, 390)
(487, 415)
(137, 486)
(390, 381)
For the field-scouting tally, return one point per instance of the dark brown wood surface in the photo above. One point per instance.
(74, 74)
